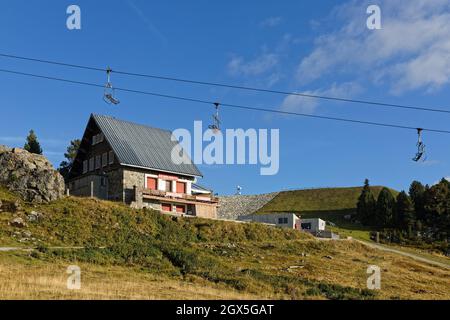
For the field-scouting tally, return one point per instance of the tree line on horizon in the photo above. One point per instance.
(421, 214)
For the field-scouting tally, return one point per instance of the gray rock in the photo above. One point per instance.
(18, 223)
(10, 206)
(34, 216)
(32, 176)
(27, 234)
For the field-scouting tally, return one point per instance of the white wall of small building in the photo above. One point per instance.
(274, 219)
(316, 224)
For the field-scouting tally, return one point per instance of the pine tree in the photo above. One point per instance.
(70, 154)
(404, 213)
(417, 193)
(32, 145)
(385, 209)
(437, 206)
(366, 205)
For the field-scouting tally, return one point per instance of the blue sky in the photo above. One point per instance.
(319, 47)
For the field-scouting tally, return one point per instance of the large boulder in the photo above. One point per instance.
(30, 175)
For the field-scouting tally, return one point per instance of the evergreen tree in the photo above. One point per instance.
(366, 205)
(404, 213)
(437, 206)
(417, 193)
(385, 209)
(32, 145)
(70, 154)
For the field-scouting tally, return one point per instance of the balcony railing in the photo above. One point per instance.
(173, 195)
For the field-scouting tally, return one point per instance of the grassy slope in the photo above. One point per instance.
(326, 200)
(332, 204)
(149, 255)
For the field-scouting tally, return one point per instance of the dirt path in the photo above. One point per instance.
(7, 249)
(369, 244)
(403, 253)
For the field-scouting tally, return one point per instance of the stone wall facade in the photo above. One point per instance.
(115, 185)
(232, 207)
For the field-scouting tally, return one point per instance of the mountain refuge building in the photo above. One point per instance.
(131, 163)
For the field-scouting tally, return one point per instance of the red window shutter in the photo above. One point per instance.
(151, 183)
(166, 207)
(181, 209)
(181, 187)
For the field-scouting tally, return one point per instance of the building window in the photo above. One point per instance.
(98, 138)
(306, 226)
(181, 187)
(85, 166)
(168, 186)
(111, 157)
(104, 159)
(180, 208)
(282, 220)
(91, 164)
(166, 207)
(98, 162)
(103, 181)
(151, 183)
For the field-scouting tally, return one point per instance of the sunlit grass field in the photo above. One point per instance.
(141, 254)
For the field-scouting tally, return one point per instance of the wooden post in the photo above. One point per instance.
(92, 188)
(377, 239)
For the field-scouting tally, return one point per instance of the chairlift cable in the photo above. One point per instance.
(231, 86)
(244, 107)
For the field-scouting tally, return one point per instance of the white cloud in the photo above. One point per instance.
(271, 22)
(411, 51)
(261, 64)
(294, 103)
(266, 67)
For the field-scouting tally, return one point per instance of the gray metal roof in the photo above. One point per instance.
(199, 187)
(142, 146)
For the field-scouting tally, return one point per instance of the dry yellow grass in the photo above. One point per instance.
(401, 277)
(146, 256)
(19, 280)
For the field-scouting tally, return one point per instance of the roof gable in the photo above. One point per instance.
(142, 146)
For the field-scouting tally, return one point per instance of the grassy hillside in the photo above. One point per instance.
(332, 204)
(142, 254)
(317, 200)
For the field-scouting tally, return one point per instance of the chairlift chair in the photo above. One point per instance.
(420, 155)
(215, 127)
(109, 92)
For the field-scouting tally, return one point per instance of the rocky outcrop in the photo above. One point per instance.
(18, 223)
(30, 175)
(232, 207)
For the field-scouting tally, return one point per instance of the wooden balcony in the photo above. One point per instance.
(177, 197)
